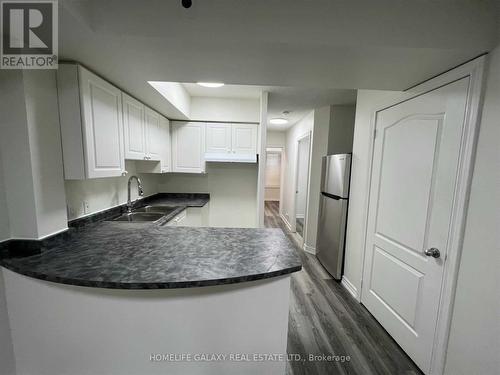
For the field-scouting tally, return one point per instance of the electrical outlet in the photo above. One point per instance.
(86, 207)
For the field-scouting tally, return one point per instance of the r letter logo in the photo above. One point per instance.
(29, 34)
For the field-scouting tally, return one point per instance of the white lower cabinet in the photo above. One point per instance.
(188, 147)
(178, 219)
(90, 112)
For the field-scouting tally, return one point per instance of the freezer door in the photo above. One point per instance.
(331, 234)
(336, 175)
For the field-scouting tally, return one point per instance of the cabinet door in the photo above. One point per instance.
(218, 138)
(153, 134)
(165, 145)
(134, 129)
(102, 126)
(188, 147)
(244, 139)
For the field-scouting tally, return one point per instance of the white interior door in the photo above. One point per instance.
(414, 176)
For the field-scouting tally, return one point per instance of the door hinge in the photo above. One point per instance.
(374, 133)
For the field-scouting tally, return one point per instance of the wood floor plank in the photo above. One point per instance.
(325, 319)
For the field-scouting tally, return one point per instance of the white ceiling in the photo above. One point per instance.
(226, 91)
(323, 44)
(297, 101)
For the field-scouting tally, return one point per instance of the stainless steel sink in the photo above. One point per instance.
(140, 216)
(165, 210)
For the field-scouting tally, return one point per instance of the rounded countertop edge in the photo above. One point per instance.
(96, 284)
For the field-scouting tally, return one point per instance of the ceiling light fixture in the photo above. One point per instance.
(278, 121)
(212, 85)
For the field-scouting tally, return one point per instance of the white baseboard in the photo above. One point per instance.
(350, 288)
(309, 249)
(288, 225)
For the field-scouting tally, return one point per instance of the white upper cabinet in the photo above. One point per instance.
(134, 128)
(244, 139)
(239, 139)
(165, 146)
(91, 124)
(153, 135)
(188, 147)
(218, 138)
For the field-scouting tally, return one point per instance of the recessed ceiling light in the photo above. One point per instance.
(278, 121)
(210, 84)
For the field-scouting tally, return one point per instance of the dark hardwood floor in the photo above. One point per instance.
(326, 320)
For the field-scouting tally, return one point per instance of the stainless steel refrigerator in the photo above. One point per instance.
(336, 172)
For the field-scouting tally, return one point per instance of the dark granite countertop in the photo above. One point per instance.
(123, 255)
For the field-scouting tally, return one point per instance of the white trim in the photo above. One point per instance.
(308, 134)
(287, 223)
(475, 71)
(300, 216)
(350, 288)
(309, 249)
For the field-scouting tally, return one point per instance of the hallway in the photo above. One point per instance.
(325, 320)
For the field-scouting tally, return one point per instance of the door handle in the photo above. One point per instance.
(432, 252)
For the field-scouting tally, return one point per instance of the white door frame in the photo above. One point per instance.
(281, 151)
(475, 71)
(293, 224)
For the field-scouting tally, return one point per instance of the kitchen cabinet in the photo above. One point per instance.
(188, 147)
(90, 111)
(239, 139)
(163, 140)
(134, 128)
(178, 220)
(218, 138)
(244, 139)
(152, 134)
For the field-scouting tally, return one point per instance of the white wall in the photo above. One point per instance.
(30, 134)
(46, 152)
(7, 361)
(319, 149)
(340, 136)
(225, 109)
(4, 218)
(302, 177)
(232, 188)
(276, 139)
(177, 96)
(300, 129)
(104, 193)
(474, 342)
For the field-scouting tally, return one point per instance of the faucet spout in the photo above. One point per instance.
(140, 192)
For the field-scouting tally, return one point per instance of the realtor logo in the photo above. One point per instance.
(29, 34)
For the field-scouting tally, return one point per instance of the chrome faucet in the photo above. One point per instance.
(139, 191)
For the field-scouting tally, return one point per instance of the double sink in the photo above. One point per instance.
(148, 213)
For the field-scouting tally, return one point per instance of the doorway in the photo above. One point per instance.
(416, 204)
(302, 183)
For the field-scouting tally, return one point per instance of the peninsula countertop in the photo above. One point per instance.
(121, 255)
